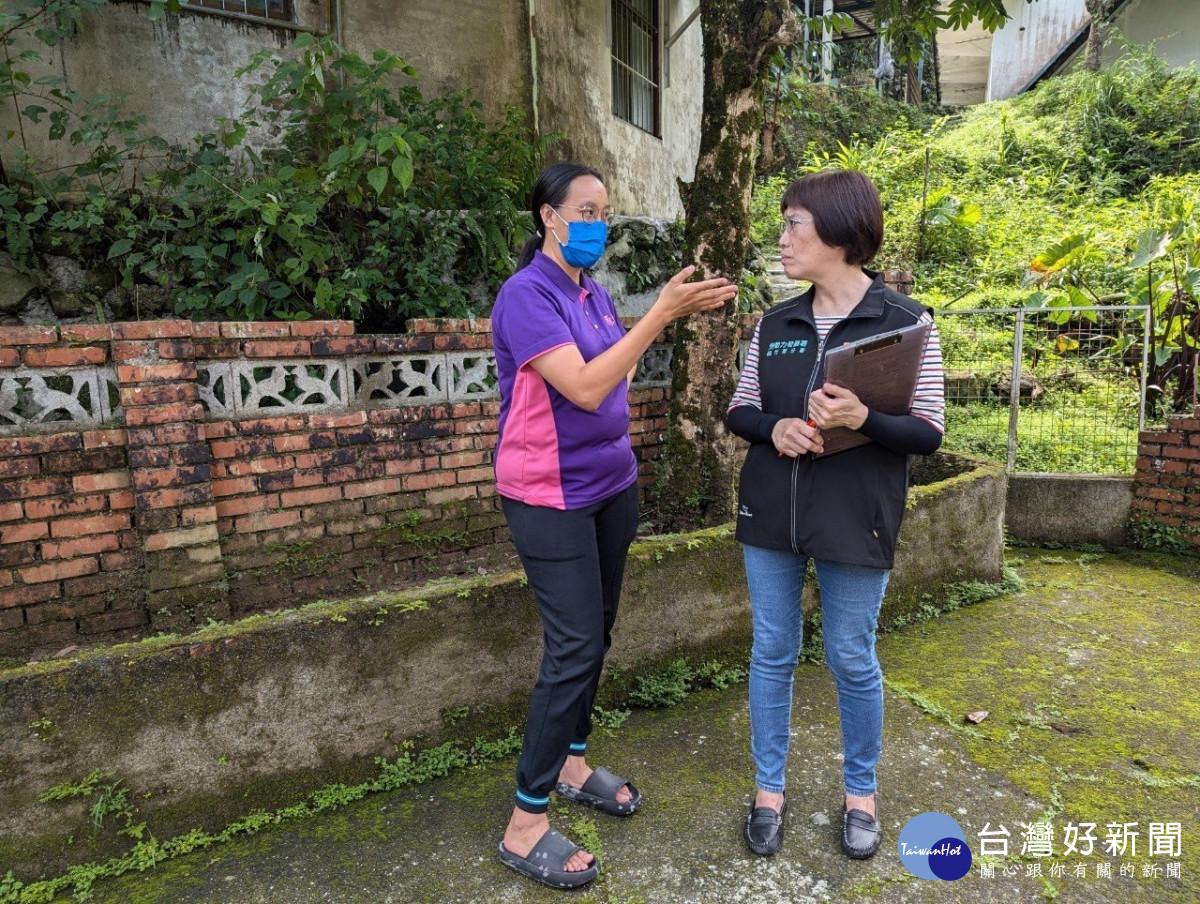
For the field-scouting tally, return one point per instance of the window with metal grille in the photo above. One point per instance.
(277, 10)
(637, 96)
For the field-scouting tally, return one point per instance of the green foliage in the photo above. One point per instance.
(67, 790)
(94, 125)
(666, 688)
(812, 118)
(369, 202)
(672, 684)
(112, 799)
(587, 836)
(1150, 533)
(1083, 191)
(409, 768)
(911, 24)
(964, 593)
(609, 719)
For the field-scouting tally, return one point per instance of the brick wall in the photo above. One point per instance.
(1167, 484)
(163, 514)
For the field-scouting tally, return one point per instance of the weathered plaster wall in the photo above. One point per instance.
(1070, 509)
(575, 98)
(480, 44)
(214, 726)
(1037, 32)
(1033, 35)
(178, 71)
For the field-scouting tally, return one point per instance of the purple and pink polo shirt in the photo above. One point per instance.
(551, 452)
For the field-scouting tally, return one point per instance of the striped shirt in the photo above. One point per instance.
(929, 400)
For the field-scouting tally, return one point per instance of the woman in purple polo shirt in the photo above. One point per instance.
(567, 479)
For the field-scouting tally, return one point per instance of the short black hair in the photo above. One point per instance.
(845, 208)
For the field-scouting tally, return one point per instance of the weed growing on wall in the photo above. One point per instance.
(411, 767)
(1148, 533)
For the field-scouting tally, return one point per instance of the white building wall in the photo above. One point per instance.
(1038, 32)
(1033, 36)
(575, 98)
(1173, 26)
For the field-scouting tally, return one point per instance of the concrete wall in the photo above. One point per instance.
(206, 728)
(1172, 26)
(1070, 509)
(178, 72)
(1037, 32)
(575, 98)
(1033, 36)
(479, 44)
(953, 531)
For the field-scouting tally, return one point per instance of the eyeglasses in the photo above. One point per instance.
(589, 214)
(789, 223)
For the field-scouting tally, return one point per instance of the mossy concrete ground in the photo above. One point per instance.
(1089, 677)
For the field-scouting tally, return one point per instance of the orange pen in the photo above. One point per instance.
(810, 422)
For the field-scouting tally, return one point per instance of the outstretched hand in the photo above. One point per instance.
(679, 298)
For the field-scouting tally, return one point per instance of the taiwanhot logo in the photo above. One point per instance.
(933, 846)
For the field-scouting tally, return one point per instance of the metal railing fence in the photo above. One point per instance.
(1057, 389)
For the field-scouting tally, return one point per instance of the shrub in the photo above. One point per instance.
(373, 203)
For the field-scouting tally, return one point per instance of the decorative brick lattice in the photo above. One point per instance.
(272, 386)
(158, 474)
(655, 369)
(412, 380)
(472, 376)
(85, 397)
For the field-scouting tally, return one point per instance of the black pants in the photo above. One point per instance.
(575, 561)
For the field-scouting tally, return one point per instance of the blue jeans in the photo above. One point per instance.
(850, 600)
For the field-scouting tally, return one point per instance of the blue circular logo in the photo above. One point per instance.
(933, 846)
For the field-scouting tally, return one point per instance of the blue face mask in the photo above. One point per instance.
(585, 242)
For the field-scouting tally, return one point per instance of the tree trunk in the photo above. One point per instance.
(698, 462)
(1097, 9)
(767, 151)
(912, 84)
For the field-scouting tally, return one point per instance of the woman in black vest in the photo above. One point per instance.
(842, 511)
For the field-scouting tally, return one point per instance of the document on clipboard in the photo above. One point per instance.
(882, 371)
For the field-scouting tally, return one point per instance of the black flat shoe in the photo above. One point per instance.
(764, 829)
(861, 834)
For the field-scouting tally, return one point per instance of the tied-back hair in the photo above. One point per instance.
(551, 187)
(845, 208)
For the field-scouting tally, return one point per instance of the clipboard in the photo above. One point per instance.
(882, 371)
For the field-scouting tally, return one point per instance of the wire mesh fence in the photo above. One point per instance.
(1060, 389)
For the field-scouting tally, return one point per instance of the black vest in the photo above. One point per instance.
(846, 507)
